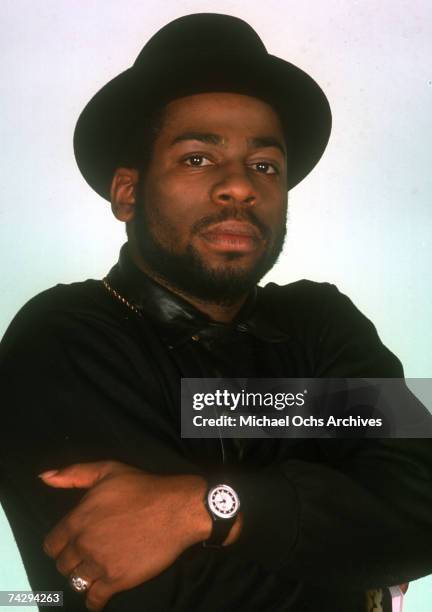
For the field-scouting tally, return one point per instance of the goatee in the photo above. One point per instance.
(188, 273)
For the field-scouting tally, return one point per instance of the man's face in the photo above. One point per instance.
(211, 209)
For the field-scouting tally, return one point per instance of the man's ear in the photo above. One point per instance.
(123, 193)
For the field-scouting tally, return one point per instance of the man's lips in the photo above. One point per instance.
(233, 236)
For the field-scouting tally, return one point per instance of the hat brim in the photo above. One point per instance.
(109, 126)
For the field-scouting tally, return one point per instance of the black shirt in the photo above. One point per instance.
(86, 378)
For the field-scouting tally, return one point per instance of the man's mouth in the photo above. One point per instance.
(233, 236)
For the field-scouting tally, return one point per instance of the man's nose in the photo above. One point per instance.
(235, 187)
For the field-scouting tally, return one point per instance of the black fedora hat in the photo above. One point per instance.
(199, 53)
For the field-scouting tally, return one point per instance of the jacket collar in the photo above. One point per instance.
(176, 318)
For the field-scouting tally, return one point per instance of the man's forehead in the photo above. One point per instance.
(219, 102)
(212, 117)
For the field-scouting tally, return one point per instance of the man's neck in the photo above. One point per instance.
(218, 312)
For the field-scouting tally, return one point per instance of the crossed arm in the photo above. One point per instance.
(131, 525)
(128, 528)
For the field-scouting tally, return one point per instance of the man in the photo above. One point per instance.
(196, 147)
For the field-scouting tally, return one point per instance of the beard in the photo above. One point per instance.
(188, 271)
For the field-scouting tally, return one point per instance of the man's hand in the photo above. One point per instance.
(128, 528)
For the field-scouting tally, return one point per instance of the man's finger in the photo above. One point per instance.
(56, 540)
(79, 475)
(67, 560)
(98, 595)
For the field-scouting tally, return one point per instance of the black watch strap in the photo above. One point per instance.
(220, 531)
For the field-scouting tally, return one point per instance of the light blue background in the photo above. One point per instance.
(361, 220)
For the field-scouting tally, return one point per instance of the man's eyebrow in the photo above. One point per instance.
(216, 139)
(268, 141)
(206, 137)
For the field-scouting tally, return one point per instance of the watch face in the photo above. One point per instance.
(223, 501)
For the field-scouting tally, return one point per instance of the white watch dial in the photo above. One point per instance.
(223, 501)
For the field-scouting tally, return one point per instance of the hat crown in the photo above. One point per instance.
(204, 34)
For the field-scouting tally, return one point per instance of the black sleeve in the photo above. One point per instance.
(64, 396)
(361, 514)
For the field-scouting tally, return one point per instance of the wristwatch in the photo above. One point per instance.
(223, 504)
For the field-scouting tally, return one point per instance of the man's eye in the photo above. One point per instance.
(197, 161)
(265, 168)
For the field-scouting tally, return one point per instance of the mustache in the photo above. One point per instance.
(232, 215)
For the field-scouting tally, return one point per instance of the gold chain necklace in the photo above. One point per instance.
(122, 299)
